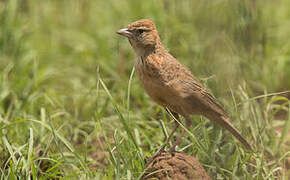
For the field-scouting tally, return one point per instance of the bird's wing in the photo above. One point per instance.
(181, 83)
(196, 94)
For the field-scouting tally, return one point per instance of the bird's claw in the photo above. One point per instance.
(172, 149)
(162, 149)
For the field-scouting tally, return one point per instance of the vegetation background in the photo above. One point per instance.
(68, 107)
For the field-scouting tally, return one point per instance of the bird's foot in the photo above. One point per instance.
(173, 148)
(162, 149)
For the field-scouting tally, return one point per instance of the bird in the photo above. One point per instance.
(170, 84)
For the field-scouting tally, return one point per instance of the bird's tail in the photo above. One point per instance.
(224, 122)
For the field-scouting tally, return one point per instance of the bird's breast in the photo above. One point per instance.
(150, 80)
(156, 87)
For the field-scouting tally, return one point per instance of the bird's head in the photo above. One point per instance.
(142, 35)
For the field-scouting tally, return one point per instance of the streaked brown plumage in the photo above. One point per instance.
(168, 82)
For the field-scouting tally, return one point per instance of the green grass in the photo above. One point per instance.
(70, 106)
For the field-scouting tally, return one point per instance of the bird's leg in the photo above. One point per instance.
(168, 138)
(178, 140)
(175, 116)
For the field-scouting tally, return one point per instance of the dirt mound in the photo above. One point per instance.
(173, 166)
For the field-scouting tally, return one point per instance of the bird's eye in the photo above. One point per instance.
(140, 31)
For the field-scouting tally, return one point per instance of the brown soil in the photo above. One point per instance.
(175, 166)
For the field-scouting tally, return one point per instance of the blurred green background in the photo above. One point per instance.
(56, 118)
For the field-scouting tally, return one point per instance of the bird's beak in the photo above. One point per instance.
(124, 32)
